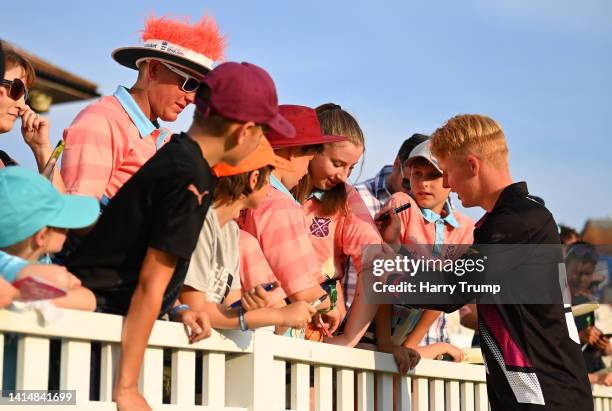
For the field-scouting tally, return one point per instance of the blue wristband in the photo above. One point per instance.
(243, 324)
(176, 310)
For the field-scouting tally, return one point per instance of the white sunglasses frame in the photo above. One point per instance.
(181, 73)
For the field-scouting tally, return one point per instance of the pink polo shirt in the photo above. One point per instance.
(279, 227)
(340, 236)
(254, 268)
(417, 230)
(106, 144)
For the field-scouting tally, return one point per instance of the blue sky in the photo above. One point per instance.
(541, 68)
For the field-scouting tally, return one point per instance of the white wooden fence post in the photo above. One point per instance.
(404, 393)
(300, 387)
(183, 377)
(419, 394)
(32, 363)
(384, 389)
(482, 399)
(323, 388)
(247, 375)
(213, 379)
(108, 369)
(467, 396)
(75, 365)
(345, 393)
(151, 381)
(436, 395)
(365, 391)
(452, 396)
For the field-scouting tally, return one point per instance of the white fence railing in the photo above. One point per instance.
(238, 371)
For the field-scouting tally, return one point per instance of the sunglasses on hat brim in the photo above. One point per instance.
(190, 83)
(16, 88)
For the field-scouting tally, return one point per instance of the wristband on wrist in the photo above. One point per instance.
(243, 324)
(174, 312)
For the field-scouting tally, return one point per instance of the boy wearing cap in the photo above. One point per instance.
(429, 221)
(135, 257)
(113, 137)
(391, 179)
(34, 218)
(213, 279)
(279, 223)
(375, 192)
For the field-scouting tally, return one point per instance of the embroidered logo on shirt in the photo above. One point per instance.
(197, 193)
(320, 226)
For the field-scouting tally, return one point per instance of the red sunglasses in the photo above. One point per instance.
(16, 89)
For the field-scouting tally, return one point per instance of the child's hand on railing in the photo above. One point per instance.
(197, 324)
(405, 358)
(448, 349)
(601, 378)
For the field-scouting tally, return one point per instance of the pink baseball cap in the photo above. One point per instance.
(307, 128)
(244, 92)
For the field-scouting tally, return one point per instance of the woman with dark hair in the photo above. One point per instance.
(7, 291)
(18, 77)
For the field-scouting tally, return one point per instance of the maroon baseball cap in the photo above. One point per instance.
(244, 92)
(307, 128)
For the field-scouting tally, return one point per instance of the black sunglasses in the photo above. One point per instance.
(16, 89)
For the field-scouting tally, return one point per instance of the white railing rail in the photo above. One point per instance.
(240, 371)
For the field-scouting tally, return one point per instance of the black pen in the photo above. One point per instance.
(386, 216)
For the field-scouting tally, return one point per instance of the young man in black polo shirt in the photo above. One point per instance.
(132, 257)
(531, 351)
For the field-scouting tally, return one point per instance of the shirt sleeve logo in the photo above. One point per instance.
(320, 226)
(197, 193)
